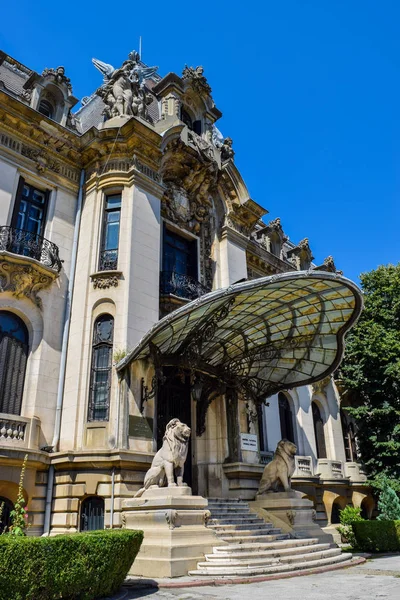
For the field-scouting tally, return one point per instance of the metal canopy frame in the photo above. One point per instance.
(263, 335)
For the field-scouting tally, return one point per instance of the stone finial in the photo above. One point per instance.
(227, 151)
(195, 76)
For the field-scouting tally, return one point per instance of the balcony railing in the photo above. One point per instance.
(26, 243)
(19, 432)
(182, 286)
(108, 260)
(330, 469)
(304, 466)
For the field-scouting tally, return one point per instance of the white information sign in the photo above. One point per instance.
(249, 441)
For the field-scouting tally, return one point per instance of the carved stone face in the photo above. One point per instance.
(181, 431)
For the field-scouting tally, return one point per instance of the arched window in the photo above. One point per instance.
(100, 381)
(349, 437)
(6, 506)
(13, 356)
(92, 514)
(46, 109)
(286, 418)
(318, 431)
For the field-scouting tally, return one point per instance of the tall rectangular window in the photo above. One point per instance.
(100, 379)
(30, 208)
(109, 246)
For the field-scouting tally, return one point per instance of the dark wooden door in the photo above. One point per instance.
(174, 401)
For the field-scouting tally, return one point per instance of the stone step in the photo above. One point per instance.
(270, 560)
(257, 527)
(230, 511)
(255, 538)
(265, 545)
(270, 569)
(238, 523)
(235, 519)
(259, 554)
(248, 532)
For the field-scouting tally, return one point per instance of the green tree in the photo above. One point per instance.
(370, 373)
(388, 504)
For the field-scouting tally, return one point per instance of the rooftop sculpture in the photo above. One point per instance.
(123, 91)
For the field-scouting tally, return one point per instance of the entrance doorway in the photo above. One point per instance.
(174, 401)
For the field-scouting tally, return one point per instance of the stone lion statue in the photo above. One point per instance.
(280, 469)
(170, 459)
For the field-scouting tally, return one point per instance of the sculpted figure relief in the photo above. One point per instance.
(123, 91)
(280, 469)
(169, 461)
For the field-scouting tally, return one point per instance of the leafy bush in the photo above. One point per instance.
(388, 504)
(377, 536)
(79, 566)
(348, 516)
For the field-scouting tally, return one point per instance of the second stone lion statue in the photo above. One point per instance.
(170, 459)
(280, 469)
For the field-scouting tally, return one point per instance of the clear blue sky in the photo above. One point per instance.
(309, 90)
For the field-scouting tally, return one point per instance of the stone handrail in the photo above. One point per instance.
(304, 466)
(330, 469)
(19, 432)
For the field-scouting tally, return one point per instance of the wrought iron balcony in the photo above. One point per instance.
(26, 243)
(108, 260)
(182, 286)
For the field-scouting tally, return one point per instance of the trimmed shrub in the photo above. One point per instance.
(388, 504)
(348, 516)
(377, 536)
(80, 566)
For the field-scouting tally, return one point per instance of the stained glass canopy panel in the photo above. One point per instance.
(264, 335)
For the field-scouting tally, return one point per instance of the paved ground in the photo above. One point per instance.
(377, 579)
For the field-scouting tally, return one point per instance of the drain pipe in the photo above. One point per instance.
(112, 498)
(64, 348)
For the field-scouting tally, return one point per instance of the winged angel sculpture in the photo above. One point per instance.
(123, 91)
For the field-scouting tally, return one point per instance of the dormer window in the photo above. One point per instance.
(46, 109)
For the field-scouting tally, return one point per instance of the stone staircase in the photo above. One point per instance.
(254, 547)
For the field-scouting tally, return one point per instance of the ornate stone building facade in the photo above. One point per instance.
(111, 218)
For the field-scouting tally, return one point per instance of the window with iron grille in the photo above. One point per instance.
(13, 356)
(100, 380)
(110, 237)
(92, 514)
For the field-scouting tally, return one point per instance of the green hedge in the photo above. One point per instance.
(377, 536)
(79, 566)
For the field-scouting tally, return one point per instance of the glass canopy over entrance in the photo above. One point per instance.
(262, 335)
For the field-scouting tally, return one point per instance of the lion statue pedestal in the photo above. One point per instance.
(174, 522)
(277, 503)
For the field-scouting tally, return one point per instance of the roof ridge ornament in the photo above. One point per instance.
(194, 75)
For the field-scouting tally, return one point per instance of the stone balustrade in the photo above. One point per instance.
(355, 471)
(304, 466)
(330, 469)
(19, 432)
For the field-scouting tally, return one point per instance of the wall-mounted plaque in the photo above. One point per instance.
(249, 441)
(140, 427)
